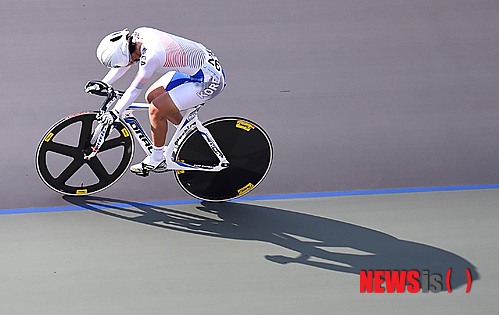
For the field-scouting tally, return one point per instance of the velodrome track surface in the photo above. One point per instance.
(293, 256)
(356, 95)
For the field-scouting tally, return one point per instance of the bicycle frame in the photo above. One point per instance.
(189, 123)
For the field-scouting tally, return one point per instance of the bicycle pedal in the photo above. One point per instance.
(161, 170)
(144, 173)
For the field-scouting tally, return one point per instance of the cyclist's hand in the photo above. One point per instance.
(98, 88)
(108, 118)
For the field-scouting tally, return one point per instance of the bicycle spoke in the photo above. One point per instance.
(63, 149)
(98, 169)
(70, 171)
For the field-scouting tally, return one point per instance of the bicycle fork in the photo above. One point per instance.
(100, 134)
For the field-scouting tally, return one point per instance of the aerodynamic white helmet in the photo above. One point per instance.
(113, 50)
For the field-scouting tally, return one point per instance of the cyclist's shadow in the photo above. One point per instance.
(320, 242)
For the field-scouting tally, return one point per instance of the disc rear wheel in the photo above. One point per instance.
(245, 145)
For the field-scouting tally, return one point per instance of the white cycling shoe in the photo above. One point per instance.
(149, 165)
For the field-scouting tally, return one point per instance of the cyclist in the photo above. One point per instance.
(192, 76)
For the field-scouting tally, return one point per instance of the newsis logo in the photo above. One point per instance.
(411, 281)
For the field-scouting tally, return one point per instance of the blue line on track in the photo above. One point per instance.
(262, 198)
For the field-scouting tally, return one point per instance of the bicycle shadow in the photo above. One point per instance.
(319, 242)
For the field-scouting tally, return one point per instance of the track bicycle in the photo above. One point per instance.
(221, 159)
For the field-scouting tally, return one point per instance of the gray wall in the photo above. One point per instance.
(355, 94)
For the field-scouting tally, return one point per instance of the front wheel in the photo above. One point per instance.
(246, 146)
(60, 156)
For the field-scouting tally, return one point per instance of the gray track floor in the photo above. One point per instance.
(298, 256)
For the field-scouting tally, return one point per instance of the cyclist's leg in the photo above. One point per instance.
(171, 94)
(163, 109)
(175, 92)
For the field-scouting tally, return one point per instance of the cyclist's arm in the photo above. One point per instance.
(143, 75)
(114, 74)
